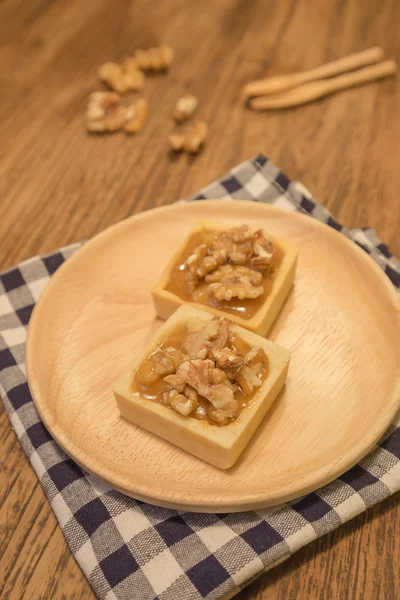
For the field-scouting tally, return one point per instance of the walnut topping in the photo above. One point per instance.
(209, 376)
(137, 114)
(191, 265)
(264, 250)
(185, 107)
(200, 375)
(190, 393)
(163, 364)
(104, 113)
(236, 242)
(231, 281)
(248, 380)
(254, 356)
(228, 360)
(196, 342)
(211, 262)
(220, 339)
(233, 264)
(180, 403)
(176, 382)
(177, 356)
(217, 415)
(154, 59)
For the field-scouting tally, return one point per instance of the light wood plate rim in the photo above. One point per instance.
(160, 496)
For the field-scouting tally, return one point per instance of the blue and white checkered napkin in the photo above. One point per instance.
(131, 550)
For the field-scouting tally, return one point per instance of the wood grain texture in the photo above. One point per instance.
(332, 399)
(57, 185)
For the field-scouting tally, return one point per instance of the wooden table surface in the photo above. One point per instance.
(59, 185)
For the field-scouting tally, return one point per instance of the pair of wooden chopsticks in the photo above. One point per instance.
(299, 88)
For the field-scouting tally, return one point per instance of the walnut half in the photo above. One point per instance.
(104, 113)
(231, 281)
(192, 140)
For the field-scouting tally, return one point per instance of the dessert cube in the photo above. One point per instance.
(203, 384)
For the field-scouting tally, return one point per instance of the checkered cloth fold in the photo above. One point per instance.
(129, 549)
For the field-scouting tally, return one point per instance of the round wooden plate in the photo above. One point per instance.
(341, 322)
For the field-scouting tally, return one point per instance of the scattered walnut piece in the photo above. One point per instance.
(176, 141)
(154, 59)
(195, 137)
(104, 113)
(185, 107)
(137, 114)
(231, 281)
(120, 78)
(112, 74)
(134, 77)
(192, 140)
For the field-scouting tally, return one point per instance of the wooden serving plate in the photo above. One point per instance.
(341, 322)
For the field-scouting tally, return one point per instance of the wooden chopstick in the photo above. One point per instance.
(317, 89)
(275, 85)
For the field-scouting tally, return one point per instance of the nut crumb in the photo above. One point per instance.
(104, 113)
(185, 107)
(137, 114)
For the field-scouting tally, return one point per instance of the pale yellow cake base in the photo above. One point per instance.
(218, 446)
(166, 302)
